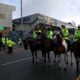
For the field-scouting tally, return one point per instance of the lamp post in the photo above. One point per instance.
(22, 34)
(21, 15)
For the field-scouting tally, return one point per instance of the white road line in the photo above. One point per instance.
(16, 61)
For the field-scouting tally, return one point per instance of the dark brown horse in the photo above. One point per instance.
(35, 45)
(76, 49)
(47, 47)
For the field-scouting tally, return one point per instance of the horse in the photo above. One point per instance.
(34, 46)
(76, 50)
(62, 48)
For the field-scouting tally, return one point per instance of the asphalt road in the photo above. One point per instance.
(18, 66)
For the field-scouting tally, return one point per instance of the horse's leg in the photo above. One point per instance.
(44, 57)
(77, 64)
(36, 55)
(59, 58)
(66, 58)
(71, 58)
(42, 53)
(55, 57)
(59, 61)
(48, 57)
(65, 65)
(32, 56)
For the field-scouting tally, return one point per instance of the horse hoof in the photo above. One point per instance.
(48, 66)
(71, 63)
(59, 68)
(48, 61)
(54, 61)
(32, 61)
(67, 63)
(36, 60)
(65, 69)
(44, 61)
(58, 61)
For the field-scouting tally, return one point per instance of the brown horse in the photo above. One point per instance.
(62, 48)
(47, 47)
(35, 45)
(76, 49)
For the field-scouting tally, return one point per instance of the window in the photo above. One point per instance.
(2, 16)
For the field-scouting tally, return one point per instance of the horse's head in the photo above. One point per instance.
(59, 39)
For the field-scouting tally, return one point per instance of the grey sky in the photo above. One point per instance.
(65, 10)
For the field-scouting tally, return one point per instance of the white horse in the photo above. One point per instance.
(62, 48)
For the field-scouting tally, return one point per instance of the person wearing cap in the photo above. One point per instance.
(65, 33)
(77, 34)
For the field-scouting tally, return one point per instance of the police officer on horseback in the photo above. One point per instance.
(65, 32)
(77, 34)
(36, 34)
(49, 34)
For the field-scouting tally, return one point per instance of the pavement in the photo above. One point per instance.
(18, 66)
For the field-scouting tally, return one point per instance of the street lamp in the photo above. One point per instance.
(21, 14)
(22, 34)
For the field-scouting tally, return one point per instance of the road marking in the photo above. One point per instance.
(16, 61)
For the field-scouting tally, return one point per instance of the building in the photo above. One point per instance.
(6, 18)
(37, 20)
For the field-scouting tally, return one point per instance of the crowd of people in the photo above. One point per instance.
(50, 34)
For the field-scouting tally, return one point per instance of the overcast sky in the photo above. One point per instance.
(65, 10)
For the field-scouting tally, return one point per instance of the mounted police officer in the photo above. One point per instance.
(39, 33)
(77, 34)
(49, 34)
(65, 32)
(36, 34)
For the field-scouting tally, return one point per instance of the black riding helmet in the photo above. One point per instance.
(62, 26)
(48, 27)
(58, 28)
(78, 26)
